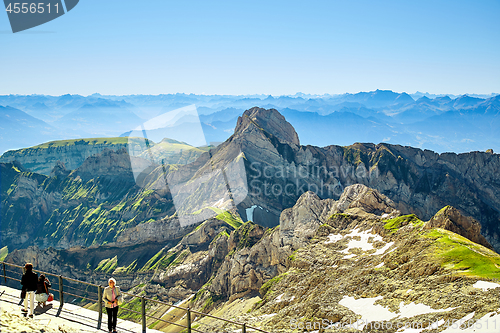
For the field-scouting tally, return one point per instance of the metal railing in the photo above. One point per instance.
(144, 316)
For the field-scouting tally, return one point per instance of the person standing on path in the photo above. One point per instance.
(29, 282)
(113, 298)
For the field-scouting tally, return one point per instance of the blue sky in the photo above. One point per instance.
(269, 47)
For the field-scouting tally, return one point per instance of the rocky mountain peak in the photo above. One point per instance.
(269, 120)
(367, 199)
(59, 170)
(451, 219)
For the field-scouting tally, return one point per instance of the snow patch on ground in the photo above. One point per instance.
(334, 238)
(371, 313)
(383, 249)
(412, 309)
(485, 285)
(366, 308)
(390, 251)
(268, 315)
(280, 298)
(362, 243)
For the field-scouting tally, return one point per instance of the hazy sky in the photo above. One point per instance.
(245, 47)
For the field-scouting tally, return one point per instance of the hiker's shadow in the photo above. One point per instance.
(42, 309)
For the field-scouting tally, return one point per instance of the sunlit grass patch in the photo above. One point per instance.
(464, 256)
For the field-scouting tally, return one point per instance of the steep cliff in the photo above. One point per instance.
(72, 153)
(43, 158)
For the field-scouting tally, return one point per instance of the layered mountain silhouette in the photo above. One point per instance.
(103, 117)
(440, 123)
(18, 129)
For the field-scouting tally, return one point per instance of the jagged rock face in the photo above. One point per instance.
(249, 268)
(364, 251)
(366, 199)
(359, 208)
(299, 223)
(24, 204)
(450, 218)
(333, 280)
(108, 163)
(270, 121)
(204, 249)
(157, 231)
(59, 170)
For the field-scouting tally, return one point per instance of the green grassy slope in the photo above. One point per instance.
(464, 256)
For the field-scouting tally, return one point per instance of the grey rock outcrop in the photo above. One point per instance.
(299, 223)
(451, 219)
(250, 267)
(366, 199)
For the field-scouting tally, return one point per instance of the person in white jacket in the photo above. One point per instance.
(112, 298)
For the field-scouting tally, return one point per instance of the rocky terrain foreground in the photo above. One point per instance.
(357, 264)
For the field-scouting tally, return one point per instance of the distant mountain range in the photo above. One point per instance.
(440, 123)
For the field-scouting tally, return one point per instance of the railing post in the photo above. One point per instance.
(244, 328)
(99, 297)
(4, 274)
(61, 296)
(143, 313)
(188, 317)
